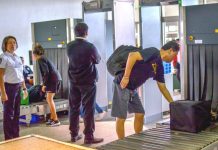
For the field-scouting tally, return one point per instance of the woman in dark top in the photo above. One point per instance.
(51, 82)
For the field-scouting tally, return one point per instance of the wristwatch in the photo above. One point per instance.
(24, 89)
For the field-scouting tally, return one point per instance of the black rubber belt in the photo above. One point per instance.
(190, 73)
(215, 78)
(196, 69)
(209, 71)
(202, 72)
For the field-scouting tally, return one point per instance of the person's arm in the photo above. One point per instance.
(95, 55)
(175, 61)
(174, 64)
(165, 91)
(44, 70)
(30, 81)
(23, 85)
(4, 96)
(132, 58)
(24, 90)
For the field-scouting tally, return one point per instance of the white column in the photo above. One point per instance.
(184, 56)
(151, 37)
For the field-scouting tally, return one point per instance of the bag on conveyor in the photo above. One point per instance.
(190, 116)
(36, 94)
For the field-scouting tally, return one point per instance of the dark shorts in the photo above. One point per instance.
(53, 87)
(125, 100)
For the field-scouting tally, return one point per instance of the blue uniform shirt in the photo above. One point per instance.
(13, 68)
(83, 56)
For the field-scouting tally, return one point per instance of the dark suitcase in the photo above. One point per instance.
(190, 116)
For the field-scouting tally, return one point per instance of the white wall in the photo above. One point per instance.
(210, 1)
(191, 2)
(16, 17)
(170, 10)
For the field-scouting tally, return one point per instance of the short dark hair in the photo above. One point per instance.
(171, 44)
(5, 42)
(81, 29)
(38, 50)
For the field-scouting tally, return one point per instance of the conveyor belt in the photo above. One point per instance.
(162, 138)
(39, 108)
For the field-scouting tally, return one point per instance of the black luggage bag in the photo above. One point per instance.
(190, 116)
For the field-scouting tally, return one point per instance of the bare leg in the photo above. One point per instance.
(51, 104)
(120, 128)
(138, 122)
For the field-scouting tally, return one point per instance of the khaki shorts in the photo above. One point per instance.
(125, 100)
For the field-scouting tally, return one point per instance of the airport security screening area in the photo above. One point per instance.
(187, 123)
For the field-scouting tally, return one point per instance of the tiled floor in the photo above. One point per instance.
(104, 129)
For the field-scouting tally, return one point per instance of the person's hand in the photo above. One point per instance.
(43, 88)
(25, 94)
(30, 81)
(213, 115)
(124, 82)
(4, 97)
(171, 101)
(174, 71)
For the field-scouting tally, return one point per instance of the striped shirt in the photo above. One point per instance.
(13, 68)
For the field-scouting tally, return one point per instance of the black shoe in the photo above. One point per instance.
(49, 121)
(93, 140)
(54, 123)
(76, 138)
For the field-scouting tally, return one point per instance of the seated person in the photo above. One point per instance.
(27, 74)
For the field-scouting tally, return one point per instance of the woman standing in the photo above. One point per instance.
(51, 82)
(11, 84)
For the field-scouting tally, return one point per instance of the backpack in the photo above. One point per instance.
(117, 61)
(36, 94)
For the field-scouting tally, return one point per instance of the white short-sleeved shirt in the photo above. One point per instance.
(13, 67)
